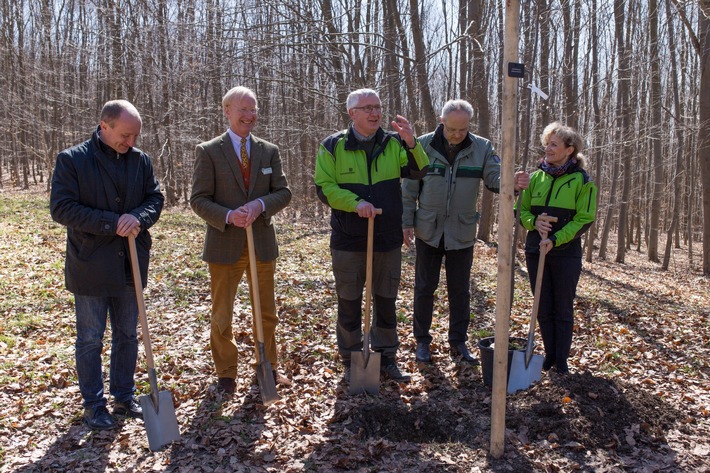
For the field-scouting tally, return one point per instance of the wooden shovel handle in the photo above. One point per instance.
(538, 279)
(142, 316)
(256, 300)
(368, 267)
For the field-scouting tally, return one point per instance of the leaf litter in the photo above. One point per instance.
(636, 400)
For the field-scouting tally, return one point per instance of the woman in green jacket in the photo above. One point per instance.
(560, 188)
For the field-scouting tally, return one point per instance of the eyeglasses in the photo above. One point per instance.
(456, 130)
(244, 111)
(370, 108)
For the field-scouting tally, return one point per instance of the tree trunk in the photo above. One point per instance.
(569, 65)
(704, 125)
(677, 176)
(463, 47)
(426, 106)
(623, 112)
(544, 19)
(592, 233)
(407, 64)
(655, 133)
(479, 86)
(336, 54)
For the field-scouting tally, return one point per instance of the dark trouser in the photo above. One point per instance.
(91, 313)
(458, 273)
(349, 271)
(556, 313)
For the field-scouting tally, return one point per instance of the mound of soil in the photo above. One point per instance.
(590, 412)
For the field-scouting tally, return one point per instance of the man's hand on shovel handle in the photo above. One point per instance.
(366, 210)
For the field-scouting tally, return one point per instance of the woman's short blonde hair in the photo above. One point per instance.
(569, 136)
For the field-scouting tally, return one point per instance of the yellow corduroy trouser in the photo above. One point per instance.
(224, 281)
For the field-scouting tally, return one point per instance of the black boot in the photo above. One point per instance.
(548, 363)
(563, 344)
(459, 351)
(547, 332)
(423, 354)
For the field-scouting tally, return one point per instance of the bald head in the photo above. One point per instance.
(113, 109)
(120, 125)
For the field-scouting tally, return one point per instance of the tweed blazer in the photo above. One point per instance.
(218, 187)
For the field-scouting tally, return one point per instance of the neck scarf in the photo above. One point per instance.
(559, 170)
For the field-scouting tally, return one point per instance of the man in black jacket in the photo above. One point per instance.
(104, 190)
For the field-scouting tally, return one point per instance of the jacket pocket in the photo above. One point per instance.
(467, 225)
(86, 246)
(425, 224)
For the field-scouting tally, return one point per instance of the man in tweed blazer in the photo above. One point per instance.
(238, 181)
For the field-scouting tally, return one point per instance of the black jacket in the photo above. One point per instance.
(88, 196)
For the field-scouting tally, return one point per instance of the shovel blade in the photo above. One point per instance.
(365, 373)
(160, 423)
(523, 375)
(267, 384)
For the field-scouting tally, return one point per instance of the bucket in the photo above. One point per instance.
(484, 347)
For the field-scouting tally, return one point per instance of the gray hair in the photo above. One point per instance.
(113, 109)
(237, 93)
(457, 105)
(356, 95)
(569, 136)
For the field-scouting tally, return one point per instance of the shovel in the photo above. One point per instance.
(264, 373)
(525, 367)
(365, 365)
(158, 409)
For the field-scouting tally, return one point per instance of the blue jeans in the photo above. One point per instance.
(90, 327)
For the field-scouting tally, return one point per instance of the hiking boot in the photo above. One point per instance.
(423, 354)
(226, 385)
(346, 375)
(391, 371)
(98, 418)
(459, 351)
(129, 408)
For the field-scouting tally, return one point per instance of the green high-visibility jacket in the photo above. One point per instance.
(571, 197)
(346, 174)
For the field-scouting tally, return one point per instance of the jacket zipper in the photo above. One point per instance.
(375, 154)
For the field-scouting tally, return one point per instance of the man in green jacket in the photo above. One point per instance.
(359, 170)
(440, 210)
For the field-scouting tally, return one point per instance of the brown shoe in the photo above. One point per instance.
(226, 385)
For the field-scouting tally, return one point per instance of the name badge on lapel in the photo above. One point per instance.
(266, 171)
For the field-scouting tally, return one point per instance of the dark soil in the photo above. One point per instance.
(577, 413)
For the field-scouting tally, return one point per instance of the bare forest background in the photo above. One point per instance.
(632, 76)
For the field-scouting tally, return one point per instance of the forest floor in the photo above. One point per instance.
(637, 398)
